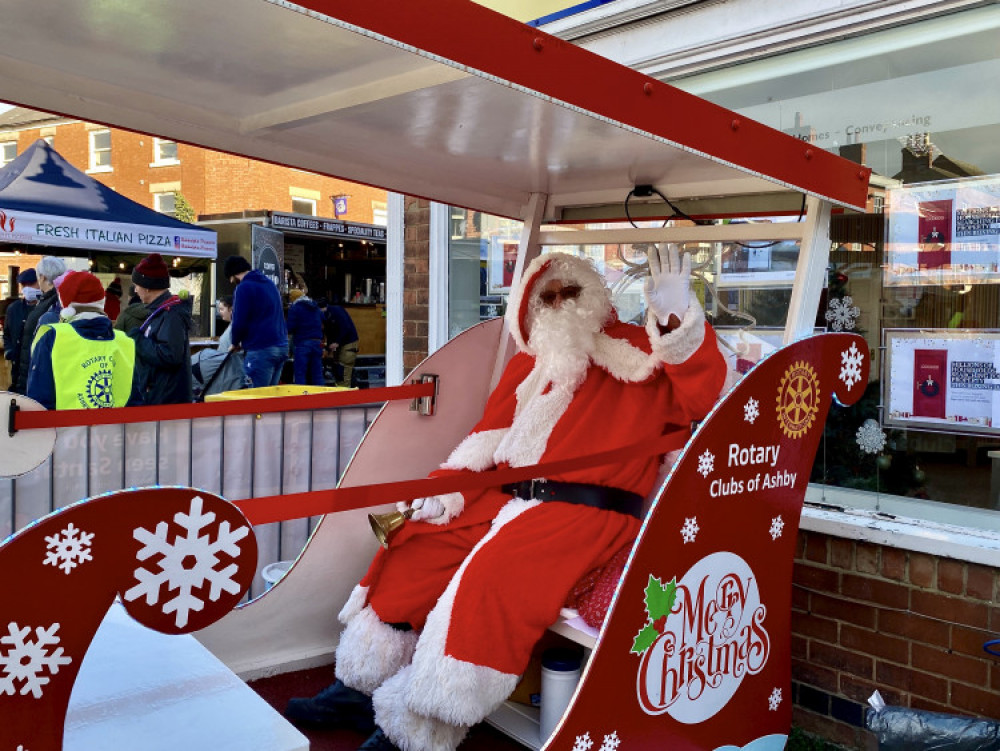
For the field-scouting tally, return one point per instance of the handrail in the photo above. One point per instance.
(30, 420)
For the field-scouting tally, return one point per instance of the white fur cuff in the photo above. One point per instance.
(370, 651)
(354, 605)
(476, 451)
(678, 345)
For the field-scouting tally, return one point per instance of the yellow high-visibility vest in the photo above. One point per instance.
(90, 373)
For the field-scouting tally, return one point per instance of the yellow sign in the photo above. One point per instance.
(798, 399)
(528, 10)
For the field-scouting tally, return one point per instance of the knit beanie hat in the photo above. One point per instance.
(80, 289)
(28, 276)
(115, 288)
(151, 273)
(235, 265)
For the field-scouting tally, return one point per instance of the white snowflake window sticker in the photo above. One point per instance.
(706, 463)
(774, 700)
(870, 437)
(751, 410)
(842, 314)
(690, 529)
(28, 661)
(850, 365)
(777, 526)
(69, 548)
(188, 562)
(611, 741)
(583, 743)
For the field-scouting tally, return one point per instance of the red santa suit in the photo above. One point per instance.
(482, 584)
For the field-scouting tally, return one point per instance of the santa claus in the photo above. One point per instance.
(443, 623)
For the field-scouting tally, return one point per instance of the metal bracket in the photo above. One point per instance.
(425, 405)
(11, 412)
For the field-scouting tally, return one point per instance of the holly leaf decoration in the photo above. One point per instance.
(660, 597)
(644, 639)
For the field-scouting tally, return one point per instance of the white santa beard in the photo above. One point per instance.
(562, 341)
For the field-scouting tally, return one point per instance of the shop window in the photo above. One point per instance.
(164, 153)
(165, 203)
(305, 206)
(100, 151)
(8, 152)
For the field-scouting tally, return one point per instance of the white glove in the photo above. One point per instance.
(424, 509)
(668, 285)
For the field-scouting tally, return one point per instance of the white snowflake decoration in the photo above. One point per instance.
(706, 463)
(583, 743)
(777, 525)
(850, 365)
(187, 563)
(871, 439)
(28, 660)
(774, 700)
(842, 313)
(751, 410)
(611, 741)
(690, 529)
(68, 549)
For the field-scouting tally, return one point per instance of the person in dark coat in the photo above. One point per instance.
(305, 326)
(48, 270)
(162, 340)
(258, 322)
(133, 314)
(341, 339)
(14, 318)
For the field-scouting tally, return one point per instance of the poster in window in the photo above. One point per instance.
(942, 380)
(945, 232)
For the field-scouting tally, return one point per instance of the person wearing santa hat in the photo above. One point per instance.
(82, 362)
(442, 625)
(163, 339)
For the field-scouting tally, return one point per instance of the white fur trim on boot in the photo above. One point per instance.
(678, 345)
(370, 651)
(408, 729)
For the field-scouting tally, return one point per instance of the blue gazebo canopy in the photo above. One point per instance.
(45, 200)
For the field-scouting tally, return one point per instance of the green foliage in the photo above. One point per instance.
(182, 209)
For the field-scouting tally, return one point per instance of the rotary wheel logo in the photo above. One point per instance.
(99, 390)
(798, 399)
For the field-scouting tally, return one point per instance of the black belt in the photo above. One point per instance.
(598, 496)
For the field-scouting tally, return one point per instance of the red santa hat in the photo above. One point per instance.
(80, 289)
(568, 269)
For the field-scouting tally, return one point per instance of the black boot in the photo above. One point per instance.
(336, 706)
(378, 741)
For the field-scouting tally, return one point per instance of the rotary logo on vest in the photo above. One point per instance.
(97, 391)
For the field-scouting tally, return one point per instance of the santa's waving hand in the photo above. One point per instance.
(668, 284)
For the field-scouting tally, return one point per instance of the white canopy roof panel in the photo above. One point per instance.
(442, 99)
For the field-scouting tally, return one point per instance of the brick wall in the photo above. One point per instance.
(911, 625)
(416, 280)
(211, 181)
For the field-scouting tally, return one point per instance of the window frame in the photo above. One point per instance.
(93, 151)
(158, 158)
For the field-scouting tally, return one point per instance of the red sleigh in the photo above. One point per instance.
(694, 652)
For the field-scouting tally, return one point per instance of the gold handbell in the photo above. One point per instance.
(385, 525)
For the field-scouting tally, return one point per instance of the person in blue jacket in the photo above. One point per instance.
(258, 322)
(305, 327)
(341, 339)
